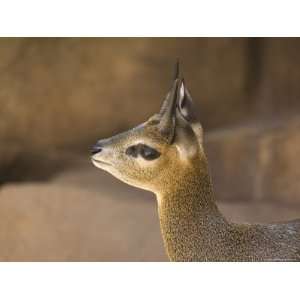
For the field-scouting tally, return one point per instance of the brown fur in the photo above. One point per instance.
(192, 227)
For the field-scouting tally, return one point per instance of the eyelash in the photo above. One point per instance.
(144, 151)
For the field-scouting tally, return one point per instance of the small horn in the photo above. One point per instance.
(167, 111)
(167, 121)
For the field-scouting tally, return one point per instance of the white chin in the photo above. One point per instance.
(100, 165)
(97, 165)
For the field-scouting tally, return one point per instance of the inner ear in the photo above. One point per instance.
(182, 101)
(185, 103)
(189, 134)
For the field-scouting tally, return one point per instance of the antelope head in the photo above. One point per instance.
(149, 155)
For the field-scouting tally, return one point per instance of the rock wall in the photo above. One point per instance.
(64, 93)
(67, 90)
(254, 164)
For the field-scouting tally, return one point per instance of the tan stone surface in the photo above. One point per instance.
(84, 214)
(232, 156)
(279, 164)
(278, 89)
(256, 163)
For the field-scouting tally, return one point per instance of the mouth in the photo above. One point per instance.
(101, 162)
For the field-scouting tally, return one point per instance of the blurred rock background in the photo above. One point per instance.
(58, 96)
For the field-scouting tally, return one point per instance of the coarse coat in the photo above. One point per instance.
(192, 227)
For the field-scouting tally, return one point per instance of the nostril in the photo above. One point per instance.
(96, 149)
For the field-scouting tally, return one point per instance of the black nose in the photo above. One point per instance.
(96, 149)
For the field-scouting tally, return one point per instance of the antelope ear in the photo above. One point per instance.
(185, 103)
(185, 139)
(189, 133)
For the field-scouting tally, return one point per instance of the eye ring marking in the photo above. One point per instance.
(146, 152)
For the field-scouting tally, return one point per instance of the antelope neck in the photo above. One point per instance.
(191, 224)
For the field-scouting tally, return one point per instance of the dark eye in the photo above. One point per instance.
(144, 151)
(132, 151)
(148, 153)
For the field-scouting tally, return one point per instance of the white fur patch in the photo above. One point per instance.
(186, 152)
(181, 91)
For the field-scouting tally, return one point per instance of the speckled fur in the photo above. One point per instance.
(192, 227)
